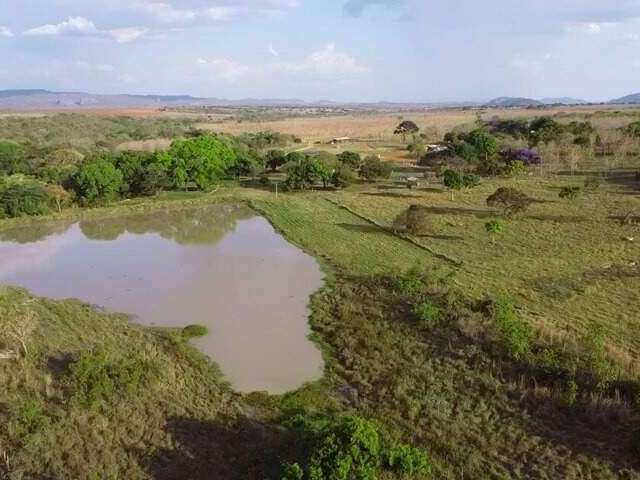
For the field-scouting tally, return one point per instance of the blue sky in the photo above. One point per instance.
(361, 50)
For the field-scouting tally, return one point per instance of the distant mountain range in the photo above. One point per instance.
(39, 99)
(633, 99)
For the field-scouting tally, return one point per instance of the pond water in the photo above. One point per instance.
(219, 266)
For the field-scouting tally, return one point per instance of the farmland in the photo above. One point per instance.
(409, 323)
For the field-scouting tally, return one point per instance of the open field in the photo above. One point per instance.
(408, 323)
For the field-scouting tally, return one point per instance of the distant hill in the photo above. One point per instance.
(513, 102)
(563, 101)
(629, 99)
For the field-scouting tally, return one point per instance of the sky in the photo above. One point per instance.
(343, 50)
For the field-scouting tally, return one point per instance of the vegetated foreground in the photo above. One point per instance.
(474, 327)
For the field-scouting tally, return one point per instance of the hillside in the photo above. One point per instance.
(634, 99)
(513, 102)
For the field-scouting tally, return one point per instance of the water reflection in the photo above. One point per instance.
(221, 266)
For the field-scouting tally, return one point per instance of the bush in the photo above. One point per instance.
(27, 422)
(96, 377)
(98, 180)
(343, 176)
(351, 159)
(194, 331)
(374, 168)
(23, 196)
(418, 221)
(571, 193)
(510, 201)
(13, 158)
(514, 334)
(428, 313)
(275, 159)
(408, 461)
(494, 228)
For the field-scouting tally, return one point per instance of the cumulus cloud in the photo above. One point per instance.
(5, 32)
(224, 68)
(329, 62)
(73, 25)
(84, 27)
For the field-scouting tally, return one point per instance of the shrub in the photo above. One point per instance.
(418, 221)
(98, 180)
(514, 334)
(428, 313)
(571, 193)
(96, 377)
(13, 158)
(276, 158)
(525, 155)
(510, 201)
(494, 228)
(515, 169)
(453, 181)
(27, 422)
(343, 176)
(409, 461)
(470, 180)
(351, 159)
(373, 168)
(23, 196)
(194, 331)
(347, 449)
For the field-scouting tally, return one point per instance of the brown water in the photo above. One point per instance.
(219, 266)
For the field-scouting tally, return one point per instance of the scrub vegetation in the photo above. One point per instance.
(480, 318)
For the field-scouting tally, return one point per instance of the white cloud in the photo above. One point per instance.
(589, 28)
(167, 12)
(84, 26)
(224, 68)
(129, 34)
(328, 61)
(5, 32)
(73, 25)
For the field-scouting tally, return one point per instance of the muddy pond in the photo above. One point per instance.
(221, 266)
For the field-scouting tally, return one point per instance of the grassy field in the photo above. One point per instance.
(422, 355)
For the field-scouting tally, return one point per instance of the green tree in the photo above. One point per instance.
(405, 128)
(202, 160)
(98, 180)
(13, 158)
(494, 228)
(453, 181)
(20, 195)
(374, 168)
(275, 159)
(351, 159)
(544, 130)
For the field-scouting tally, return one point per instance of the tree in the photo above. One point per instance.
(98, 180)
(13, 158)
(510, 201)
(20, 195)
(342, 176)
(202, 160)
(415, 220)
(374, 168)
(305, 174)
(485, 146)
(406, 127)
(544, 130)
(453, 181)
(275, 159)
(58, 195)
(350, 159)
(494, 228)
